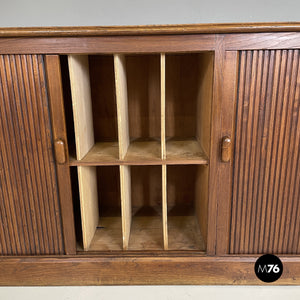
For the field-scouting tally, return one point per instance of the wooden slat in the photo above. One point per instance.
(163, 104)
(109, 44)
(204, 100)
(165, 207)
(122, 104)
(202, 202)
(55, 91)
(281, 174)
(87, 179)
(30, 204)
(219, 191)
(149, 29)
(82, 103)
(84, 137)
(125, 188)
(265, 199)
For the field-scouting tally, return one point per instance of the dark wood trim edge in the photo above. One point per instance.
(105, 270)
(148, 29)
(59, 132)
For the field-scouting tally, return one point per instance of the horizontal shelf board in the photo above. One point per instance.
(146, 233)
(188, 149)
(140, 151)
(108, 235)
(184, 233)
(144, 153)
(106, 153)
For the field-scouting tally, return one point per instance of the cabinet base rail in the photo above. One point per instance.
(139, 270)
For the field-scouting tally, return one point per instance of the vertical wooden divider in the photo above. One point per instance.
(124, 140)
(163, 148)
(84, 133)
(163, 104)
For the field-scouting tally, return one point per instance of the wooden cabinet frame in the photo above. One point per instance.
(151, 267)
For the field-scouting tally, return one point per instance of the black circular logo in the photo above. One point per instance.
(268, 268)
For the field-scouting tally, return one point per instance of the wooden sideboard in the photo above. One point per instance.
(149, 155)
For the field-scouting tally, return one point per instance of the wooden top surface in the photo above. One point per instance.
(148, 29)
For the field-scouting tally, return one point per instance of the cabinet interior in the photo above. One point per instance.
(140, 130)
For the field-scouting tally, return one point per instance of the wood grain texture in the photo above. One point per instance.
(265, 200)
(164, 175)
(188, 150)
(187, 205)
(144, 105)
(146, 233)
(140, 270)
(108, 44)
(82, 103)
(178, 43)
(89, 207)
(103, 94)
(57, 112)
(148, 29)
(122, 104)
(163, 104)
(30, 209)
(125, 189)
(144, 152)
(257, 41)
(220, 173)
(108, 235)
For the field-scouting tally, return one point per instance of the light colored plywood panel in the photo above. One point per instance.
(146, 233)
(122, 104)
(164, 206)
(184, 233)
(188, 150)
(163, 104)
(82, 105)
(108, 235)
(87, 179)
(125, 184)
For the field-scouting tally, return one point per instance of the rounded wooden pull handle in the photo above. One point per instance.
(60, 152)
(226, 149)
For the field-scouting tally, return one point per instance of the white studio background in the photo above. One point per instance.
(151, 292)
(20, 13)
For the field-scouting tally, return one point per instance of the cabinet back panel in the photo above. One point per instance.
(143, 83)
(146, 187)
(101, 69)
(108, 179)
(29, 204)
(266, 179)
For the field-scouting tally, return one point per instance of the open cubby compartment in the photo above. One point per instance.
(188, 99)
(94, 109)
(146, 231)
(187, 200)
(138, 102)
(100, 206)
